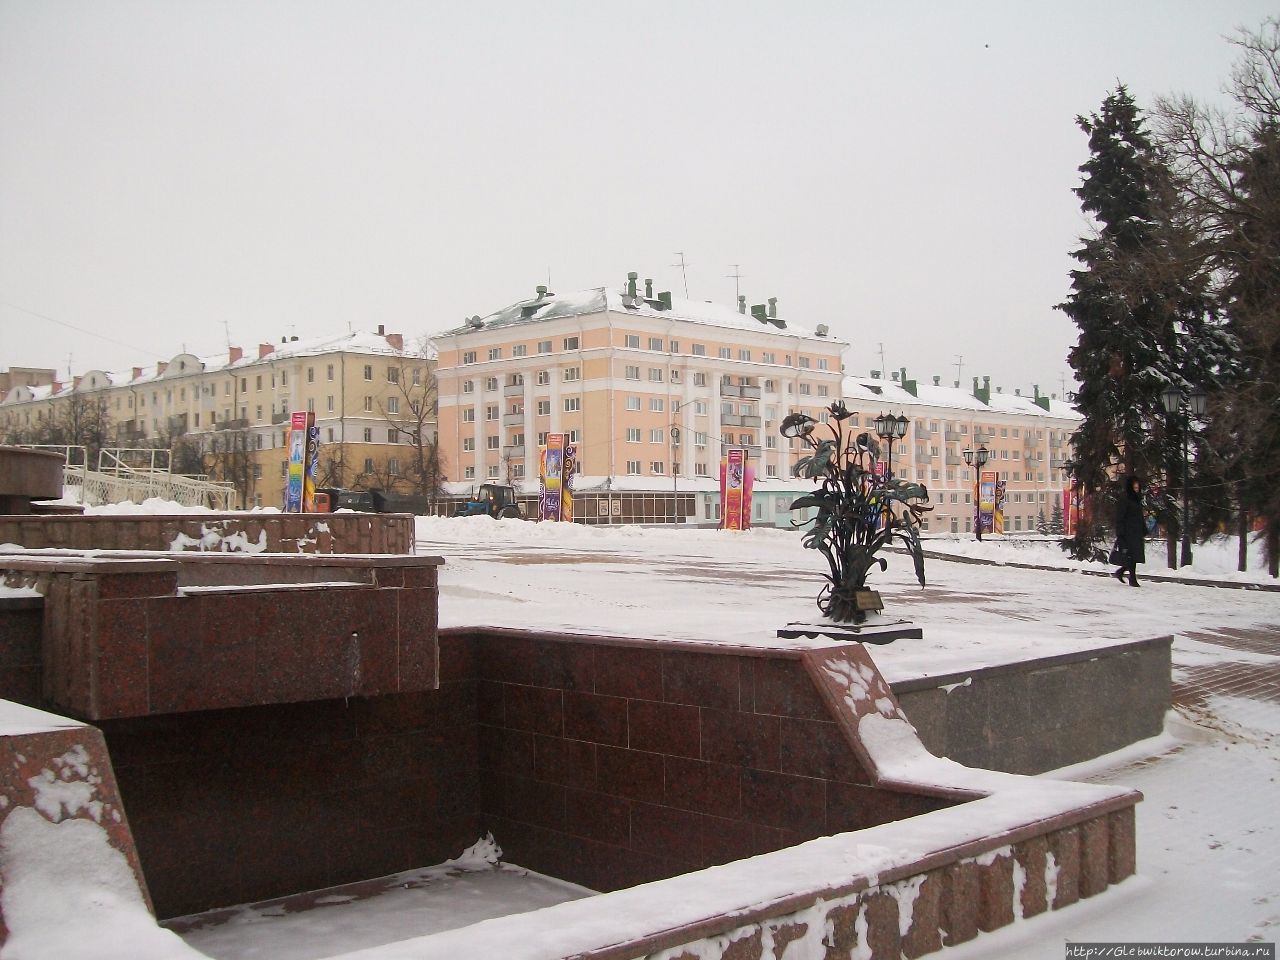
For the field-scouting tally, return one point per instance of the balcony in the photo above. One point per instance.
(738, 390)
(954, 436)
(753, 453)
(513, 390)
(513, 452)
(739, 420)
(278, 418)
(513, 420)
(233, 425)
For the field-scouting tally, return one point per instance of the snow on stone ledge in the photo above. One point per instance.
(17, 720)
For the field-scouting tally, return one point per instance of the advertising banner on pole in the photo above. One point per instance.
(987, 501)
(733, 491)
(998, 513)
(297, 462)
(569, 466)
(551, 478)
(312, 465)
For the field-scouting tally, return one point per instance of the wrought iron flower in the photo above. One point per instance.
(797, 425)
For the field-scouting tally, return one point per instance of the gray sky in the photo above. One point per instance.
(901, 172)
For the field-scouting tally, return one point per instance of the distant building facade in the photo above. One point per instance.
(231, 412)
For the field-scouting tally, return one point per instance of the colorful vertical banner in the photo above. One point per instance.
(987, 502)
(998, 512)
(568, 469)
(297, 462)
(1070, 511)
(551, 478)
(312, 465)
(733, 491)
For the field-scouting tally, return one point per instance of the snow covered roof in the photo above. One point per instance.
(870, 389)
(599, 299)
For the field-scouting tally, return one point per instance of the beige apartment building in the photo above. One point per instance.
(650, 388)
(232, 411)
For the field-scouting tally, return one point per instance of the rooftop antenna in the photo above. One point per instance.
(737, 276)
(68, 366)
(683, 273)
(882, 363)
(1062, 379)
(227, 328)
(959, 368)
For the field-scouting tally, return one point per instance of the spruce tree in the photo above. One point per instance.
(1138, 306)
(1042, 525)
(1056, 526)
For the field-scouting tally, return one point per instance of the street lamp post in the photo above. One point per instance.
(1175, 401)
(675, 452)
(977, 458)
(890, 428)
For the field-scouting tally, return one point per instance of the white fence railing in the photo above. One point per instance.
(137, 474)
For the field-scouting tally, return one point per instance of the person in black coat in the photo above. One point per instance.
(1131, 531)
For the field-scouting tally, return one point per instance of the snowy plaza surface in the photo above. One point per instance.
(1208, 844)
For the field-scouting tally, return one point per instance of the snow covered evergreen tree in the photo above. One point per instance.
(1056, 524)
(1042, 525)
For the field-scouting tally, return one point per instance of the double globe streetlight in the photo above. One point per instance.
(1193, 405)
(977, 458)
(890, 428)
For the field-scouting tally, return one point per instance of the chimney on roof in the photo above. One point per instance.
(648, 289)
(161, 367)
(235, 354)
(894, 376)
(664, 298)
(875, 374)
(1017, 391)
(742, 303)
(999, 389)
(264, 349)
(758, 312)
(632, 277)
(382, 330)
(293, 339)
(773, 307)
(137, 372)
(986, 383)
(75, 383)
(395, 341)
(55, 387)
(937, 381)
(541, 291)
(982, 393)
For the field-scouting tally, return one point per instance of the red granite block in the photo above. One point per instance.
(489, 703)
(534, 708)
(995, 892)
(122, 656)
(425, 575)
(457, 659)
(959, 903)
(783, 687)
(563, 664)
(570, 762)
(724, 840)
(748, 946)
(842, 929)
(505, 659)
(714, 788)
(415, 613)
(785, 934)
(1064, 847)
(121, 586)
(598, 816)
(743, 739)
(766, 839)
(667, 832)
(595, 718)
(1094, 856)
(782, 800)
(663, 728)
(1031, 856)
(924, 934)
(507, 751)
(702, 679)
(1122, 856)
(817, 748)
(629, 773)
(388, 576)
(416, 664)
(628, 672)
(527, 801)
(883, 938)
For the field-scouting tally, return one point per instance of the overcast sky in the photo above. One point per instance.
(175, 172)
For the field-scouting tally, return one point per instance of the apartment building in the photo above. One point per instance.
(1028, 440)
(231, 411)
(649, 387)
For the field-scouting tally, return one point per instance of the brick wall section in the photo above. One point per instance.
(610, 763)
(284, 533)
(234, 806)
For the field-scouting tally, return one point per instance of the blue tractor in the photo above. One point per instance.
(495, 500)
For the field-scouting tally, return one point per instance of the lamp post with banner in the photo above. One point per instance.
(978, 459)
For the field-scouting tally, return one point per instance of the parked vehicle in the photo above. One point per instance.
(378, 501)
(497, 500)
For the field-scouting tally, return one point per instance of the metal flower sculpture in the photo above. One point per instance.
(859, 510)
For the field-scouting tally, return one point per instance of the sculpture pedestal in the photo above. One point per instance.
(872, 631)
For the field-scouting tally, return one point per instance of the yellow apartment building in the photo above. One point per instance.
(230, 413)
(647, 386)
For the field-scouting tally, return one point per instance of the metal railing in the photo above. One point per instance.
(137, 474)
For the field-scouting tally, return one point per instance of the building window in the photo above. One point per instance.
(822, 363)
(658, 467)
(633, 373)
(542, 438)
(368, 404)
(469, 415)
(368, 464)
(633, 434)
(492, 443)
(768, 357)
(656, 404)
(571, 343)
(655, 374)
(468, 473)
(804, 363)
(699, 439)
(544, 377)
(329, 372)
(311, 377)
(571, 374)
(744, 354)
(656, 436)
(572, 404)
(468, 357)
(544, 346)
(393, 435)
(495, 353)
(633, 341)
(491, 412)
(770, 470)
(393, 404)
(633, 403)
(368, 434)
(822, 390)
(699, 379)
(633, 468)
(368, 371)
(520, 350)
(655, 343)
(393, 467)
(329, 403)
(468, 444)
(468, 386)
(804, 390)
(311, 407)
(544, 408)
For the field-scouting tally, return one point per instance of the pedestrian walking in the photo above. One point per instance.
(1131, 532)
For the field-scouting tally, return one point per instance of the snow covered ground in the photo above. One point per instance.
(1208, 843)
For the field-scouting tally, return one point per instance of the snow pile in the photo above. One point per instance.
(152, 506)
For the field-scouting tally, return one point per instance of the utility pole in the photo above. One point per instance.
(884, 370)
(959, 369)
(683, 272)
